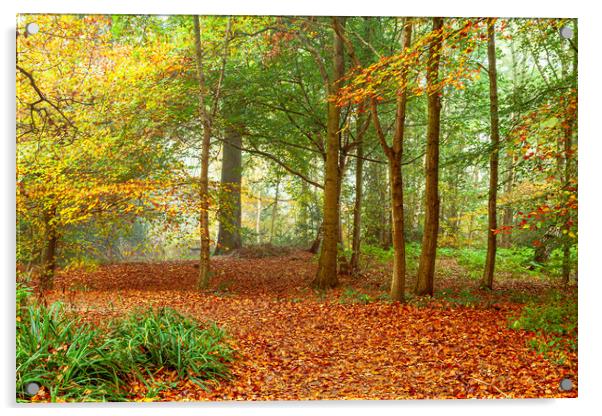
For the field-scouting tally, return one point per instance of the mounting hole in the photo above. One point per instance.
(32, 28)
(32, 388)
(566, 385)
(566, 32)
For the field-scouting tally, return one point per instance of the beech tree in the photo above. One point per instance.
(326, 275)
(394, 153)
(426, 267)
(228, 237)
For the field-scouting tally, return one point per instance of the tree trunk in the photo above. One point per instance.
(493, 159)
(228, 237)
(274, 212)
(357, 207)
(327, 264)
(426, 267)
(399, 256)
(258, 219)
(394, 154)
(49, 260)
(204, 267)
(207, 113)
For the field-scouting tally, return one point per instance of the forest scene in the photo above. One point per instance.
(266, 208)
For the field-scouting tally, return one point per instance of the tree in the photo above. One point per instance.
(85, 156)
(207, 114)
(493, 158)
(426, 267)
(326, 275)
(394, 155)
(228, 237)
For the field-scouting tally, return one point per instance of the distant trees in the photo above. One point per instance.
(228, 237)
(332, 132)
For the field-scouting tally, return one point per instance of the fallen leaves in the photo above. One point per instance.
(294, 345)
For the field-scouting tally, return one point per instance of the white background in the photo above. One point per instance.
(590, 248)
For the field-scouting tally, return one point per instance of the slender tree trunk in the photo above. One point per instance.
(274, 212)
(493, 159)
(327, 264)
(206, 115)
(568, 165)
(228, 237)
(394, 155)
(426, 267)
(357, 207)
(258, 219)
(204, 268)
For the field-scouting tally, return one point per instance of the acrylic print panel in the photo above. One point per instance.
(295, 208)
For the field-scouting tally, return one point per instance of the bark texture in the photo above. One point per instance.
(426, 267)
(394, 153)
(228, 237)
(327, 265)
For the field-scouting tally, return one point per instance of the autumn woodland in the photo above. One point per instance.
(295, 208)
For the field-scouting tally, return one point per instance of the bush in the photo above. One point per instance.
(516, 260)
(166, 339)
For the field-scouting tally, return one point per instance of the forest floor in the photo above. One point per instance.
(296, 343)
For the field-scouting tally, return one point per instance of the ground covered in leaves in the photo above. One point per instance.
(294, 343)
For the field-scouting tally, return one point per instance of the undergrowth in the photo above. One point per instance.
(553, 321)
(72, 361)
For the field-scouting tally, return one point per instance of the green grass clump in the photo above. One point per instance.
(379, 254)
(70, 359)
(548, 318)
(75, 362)
(166, 339)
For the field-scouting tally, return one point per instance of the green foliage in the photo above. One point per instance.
(554, 265)
(464, 297)
(71, 360)
(557, 316)
(516, 260)
(166, 339)
(554, 322)
(75, 362)
(351, 295)
(378, 253)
